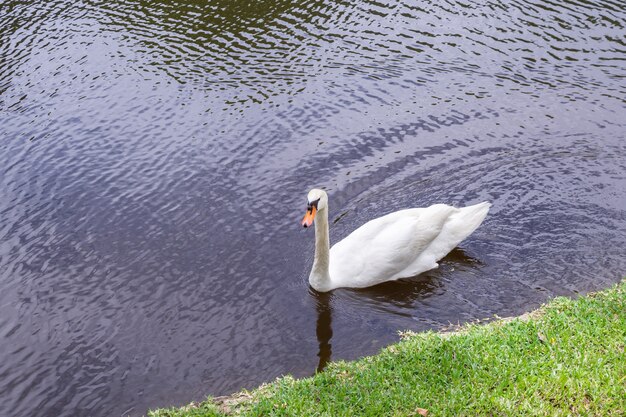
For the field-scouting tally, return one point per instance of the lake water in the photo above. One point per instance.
(155, 159)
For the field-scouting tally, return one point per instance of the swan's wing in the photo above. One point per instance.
(385, 247)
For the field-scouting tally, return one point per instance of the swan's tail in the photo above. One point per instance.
(459, 226)
(470, 217)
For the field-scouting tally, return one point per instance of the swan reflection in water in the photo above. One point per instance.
(324, 328)
(395, 297)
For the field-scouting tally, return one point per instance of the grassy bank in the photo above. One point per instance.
(567, 358)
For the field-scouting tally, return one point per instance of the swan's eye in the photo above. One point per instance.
(312, 204)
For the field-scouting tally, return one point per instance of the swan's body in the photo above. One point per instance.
(399, 245)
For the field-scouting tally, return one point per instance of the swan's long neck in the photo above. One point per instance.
(320, 276)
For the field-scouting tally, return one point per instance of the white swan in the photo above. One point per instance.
(399, 245)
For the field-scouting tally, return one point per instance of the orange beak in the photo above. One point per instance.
(309, 216)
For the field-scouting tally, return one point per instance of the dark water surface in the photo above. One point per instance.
(155, 159)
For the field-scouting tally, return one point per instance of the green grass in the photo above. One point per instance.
(567, 359)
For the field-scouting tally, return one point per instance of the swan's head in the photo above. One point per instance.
(316, 200)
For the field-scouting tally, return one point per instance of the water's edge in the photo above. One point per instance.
(228, 403)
